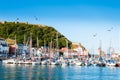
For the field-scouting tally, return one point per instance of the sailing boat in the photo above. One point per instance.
(29, 59)
(110, 61)
(44, 62)
(101, 61)
(35, 61)
(56, 60)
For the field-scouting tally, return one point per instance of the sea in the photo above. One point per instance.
(52, 72)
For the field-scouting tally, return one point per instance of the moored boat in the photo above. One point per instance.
(117, 64)
(9, 61)
(110, 63)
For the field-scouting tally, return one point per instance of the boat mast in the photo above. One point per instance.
(44, 47)
(110, 49)
(100, 48)
(57, 48)
(50, 52)
(15, 46)
(67, 47)
(24, 40)
(37, 43)
(30, 44)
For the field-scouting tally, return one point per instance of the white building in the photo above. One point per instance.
(4, 49)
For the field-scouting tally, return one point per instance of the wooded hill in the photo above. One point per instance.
(45, 34)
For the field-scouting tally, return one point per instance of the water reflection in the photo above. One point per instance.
(29, 72)
(37, 72)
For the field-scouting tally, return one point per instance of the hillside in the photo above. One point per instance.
(45, 34)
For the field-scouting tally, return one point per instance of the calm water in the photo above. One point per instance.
(29, 72)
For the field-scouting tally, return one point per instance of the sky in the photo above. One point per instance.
(89, 22)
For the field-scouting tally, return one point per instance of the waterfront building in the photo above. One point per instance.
(4, 49)
(18, 49)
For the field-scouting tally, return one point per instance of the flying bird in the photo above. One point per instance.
(95, 35)
(17, 19)
(110, 29)
(36, 18)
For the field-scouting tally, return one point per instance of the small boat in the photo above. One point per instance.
(87, 63)
(71, 62)
(9, 61)
(101, 62)
(78, 63)
(58, 62)
(117, 64)
(44, 62)
(110, 63)
(93, 63)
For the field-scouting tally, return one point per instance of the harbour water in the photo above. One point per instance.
(42, 72)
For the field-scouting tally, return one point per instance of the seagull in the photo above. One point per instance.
(36, 18)
(110, 29)
(17, 19)
(95, 35)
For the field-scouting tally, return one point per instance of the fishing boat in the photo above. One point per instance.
(101, 62)
(9, 61)
(87, 63)
(111, 63)
(78, 63)
(117, 64)
(71, 62)
(44, 62)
